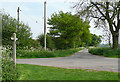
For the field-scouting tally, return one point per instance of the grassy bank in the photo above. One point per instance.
(107, 52)
(45, 54)
(36, 72)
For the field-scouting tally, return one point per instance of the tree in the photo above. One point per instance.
(49, 42)
(107, 35)
(9, 25)
(0, 30)
(68, 31)
(102, 13)
(96, 40)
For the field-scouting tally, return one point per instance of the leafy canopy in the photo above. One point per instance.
(69, 31)
(9, 25)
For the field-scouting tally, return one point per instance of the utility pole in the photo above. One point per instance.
(18, 13)
(45, 25)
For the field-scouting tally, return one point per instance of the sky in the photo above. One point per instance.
(32, 12)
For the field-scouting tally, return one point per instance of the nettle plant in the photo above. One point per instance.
(9, 71)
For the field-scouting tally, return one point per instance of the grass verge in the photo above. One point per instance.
(36, 72)
(107, 52)
(45, 54)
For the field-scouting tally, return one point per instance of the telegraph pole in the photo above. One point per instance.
(45, 25)
(18, 13)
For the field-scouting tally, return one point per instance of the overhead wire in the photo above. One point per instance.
(20, 4)
(34, 19)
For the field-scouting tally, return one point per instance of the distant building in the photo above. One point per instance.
(35, 39)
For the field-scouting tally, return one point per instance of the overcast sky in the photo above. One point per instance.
(32, 12)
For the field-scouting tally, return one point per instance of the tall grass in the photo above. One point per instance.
(107, 52)
(41, 53)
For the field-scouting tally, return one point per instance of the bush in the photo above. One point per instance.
(41, 53)
(9, 71)
(34, 53)
(107, 52)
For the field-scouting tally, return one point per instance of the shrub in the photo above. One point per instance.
(34, 53)
(108, 52)
(41, 53)
(9, 71)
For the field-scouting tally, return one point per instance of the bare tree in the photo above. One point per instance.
(102, 12)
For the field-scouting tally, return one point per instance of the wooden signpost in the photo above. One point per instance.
(14, 47)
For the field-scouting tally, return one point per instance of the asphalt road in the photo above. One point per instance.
(80, 60)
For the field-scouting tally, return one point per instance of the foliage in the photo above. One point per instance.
(49, 42)
(36, 44)
(9, 71)
(9, 26)
(36, 72)
(68, 31)
(102, 13)
(41, 53)
(107, 52)
(96, 40)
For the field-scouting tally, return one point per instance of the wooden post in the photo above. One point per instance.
(14, 47)
(18, 10)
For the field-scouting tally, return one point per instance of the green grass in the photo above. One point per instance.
(107, 52)
(36, 72)
(45, 54)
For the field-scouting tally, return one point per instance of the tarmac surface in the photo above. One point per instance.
(79, 60)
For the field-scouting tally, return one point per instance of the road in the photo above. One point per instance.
(80, 60)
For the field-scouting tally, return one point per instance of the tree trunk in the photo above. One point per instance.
(115, 40)
(110, 43)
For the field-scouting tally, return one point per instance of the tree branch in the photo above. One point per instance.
(99, 9)
(118, 17)
(115, 25)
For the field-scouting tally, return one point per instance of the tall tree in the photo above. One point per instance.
(9, 25)
(96, 40)
(49, 42)
(102, 12)
(68, 30)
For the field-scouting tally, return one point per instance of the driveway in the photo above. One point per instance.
(80, 60)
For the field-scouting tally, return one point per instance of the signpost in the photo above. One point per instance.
(14, 38)
(14, 47)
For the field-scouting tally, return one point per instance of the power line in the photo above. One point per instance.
(36, 20)
(27, 16)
